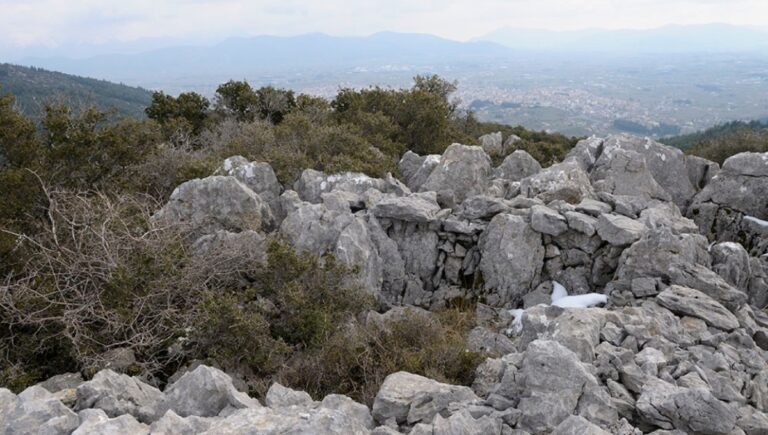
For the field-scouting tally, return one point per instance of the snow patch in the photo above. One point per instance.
(561, 299)
(581, 301)
(558, 291)
(755, 220)
(517, 324)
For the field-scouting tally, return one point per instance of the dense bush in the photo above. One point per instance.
(356, 359)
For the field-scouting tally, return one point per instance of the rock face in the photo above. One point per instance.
(676, 248)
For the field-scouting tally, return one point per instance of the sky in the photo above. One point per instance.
(51, 23)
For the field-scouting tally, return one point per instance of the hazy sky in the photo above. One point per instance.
(54, 22)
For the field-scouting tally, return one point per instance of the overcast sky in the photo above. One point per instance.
(53, 22)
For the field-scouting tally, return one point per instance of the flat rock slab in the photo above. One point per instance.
(690, 302)
(619, 230)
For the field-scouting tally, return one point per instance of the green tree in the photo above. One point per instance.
(190, 108)
(238, 100)
(274, 103)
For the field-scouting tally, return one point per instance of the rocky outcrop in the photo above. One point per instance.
(732, 206)
(673, 249)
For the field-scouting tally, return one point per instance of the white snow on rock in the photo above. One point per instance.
(753, 219)
(581, 301)
(561, 299)
(558, 291)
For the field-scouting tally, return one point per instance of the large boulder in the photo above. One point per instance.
(692, 410)
(417, 207)
(279, 396)
(740, 186)
(665, 163)
(680, 259)
(315, 227)
(416, 169)
(35, 411)
(512, 256)
(463, 171)
(205, 392)
(565, 181)
(731, 261)
(215, 203)
(551, 380)
(408, 398)
(517, 166)
(312, 184)
(624, 172)
(619, 230)
(492, 143)
(689, 302)
(258, 176)
(118, 394)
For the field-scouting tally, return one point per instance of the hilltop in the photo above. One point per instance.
(34, 87)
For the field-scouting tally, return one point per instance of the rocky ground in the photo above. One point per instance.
(675, 247)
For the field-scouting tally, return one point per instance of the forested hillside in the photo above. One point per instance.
(722, 141)
(35, 87)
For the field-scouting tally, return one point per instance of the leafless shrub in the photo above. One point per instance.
(100, 275)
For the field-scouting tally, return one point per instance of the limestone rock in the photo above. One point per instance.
(547, 221)
(205, 392)
(691, 410)
(416, 169)
(417, 207)
(173, 424)
(551, 379)
(411, 398)
(35, 411)
(95, 421)
(463, 423)
(214, 203)
(517, 166)
(565, 181)
(688, 301)
(624, 172)
(280, 396)
(619, 230)
(492, 143)
(118, 394)
(512, 257)
(463, 170)
(258, 176)
(576, 425)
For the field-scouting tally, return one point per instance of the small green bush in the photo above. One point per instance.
(356, 359)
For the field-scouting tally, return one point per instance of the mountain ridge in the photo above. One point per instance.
(713, 37)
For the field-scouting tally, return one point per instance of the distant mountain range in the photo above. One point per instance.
(34, 87)
(716, 38)
(265, 54)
